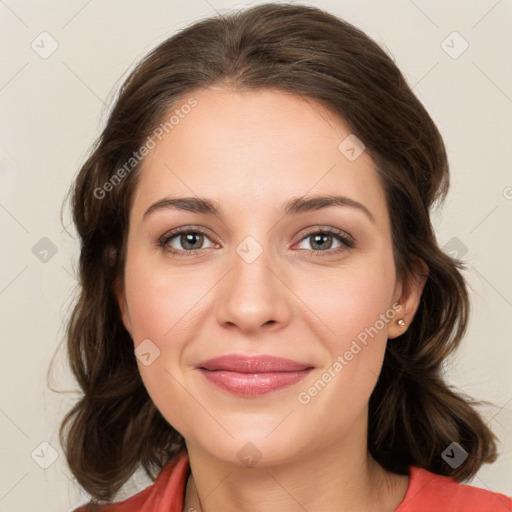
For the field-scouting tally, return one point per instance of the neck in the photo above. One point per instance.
(342, 478)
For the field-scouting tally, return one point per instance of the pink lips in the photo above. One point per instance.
(253, 375)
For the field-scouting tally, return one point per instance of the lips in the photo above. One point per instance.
(252, 376)
(256, 364)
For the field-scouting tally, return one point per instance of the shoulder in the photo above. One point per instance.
(429, 492)
(166, 494)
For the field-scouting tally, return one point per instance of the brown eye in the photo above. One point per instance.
(185, 241)
(327, 241)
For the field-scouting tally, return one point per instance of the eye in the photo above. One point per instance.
(324, 241)
(190, 241)
(185, 240)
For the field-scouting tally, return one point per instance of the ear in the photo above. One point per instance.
(119, 292)
(408, 294)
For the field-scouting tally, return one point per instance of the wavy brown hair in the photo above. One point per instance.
(413, 414)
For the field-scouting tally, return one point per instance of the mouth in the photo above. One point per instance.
(253, 376)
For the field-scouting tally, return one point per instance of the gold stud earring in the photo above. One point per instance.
(401, 323)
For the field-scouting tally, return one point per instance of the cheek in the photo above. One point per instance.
(164, 308)
(355, 311)
(161, 308)
(162, 303)
(351, 305)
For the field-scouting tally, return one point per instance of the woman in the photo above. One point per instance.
(264, 308)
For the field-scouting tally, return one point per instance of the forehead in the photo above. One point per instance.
(256, 148)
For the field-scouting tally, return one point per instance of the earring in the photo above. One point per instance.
(401, 323)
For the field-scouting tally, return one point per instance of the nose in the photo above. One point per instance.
(254, 296)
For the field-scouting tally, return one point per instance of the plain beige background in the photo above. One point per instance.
(54, 105)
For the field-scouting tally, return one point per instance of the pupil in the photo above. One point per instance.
(187, 240)
(317, 238)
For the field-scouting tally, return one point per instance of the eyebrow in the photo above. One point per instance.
(294, 206)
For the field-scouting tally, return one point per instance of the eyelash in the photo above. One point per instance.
(347, 241)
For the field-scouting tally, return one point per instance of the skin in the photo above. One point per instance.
(251, 152)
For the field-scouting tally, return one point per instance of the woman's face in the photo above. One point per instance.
(273, 274)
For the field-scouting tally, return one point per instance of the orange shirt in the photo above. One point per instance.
(427, 492)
